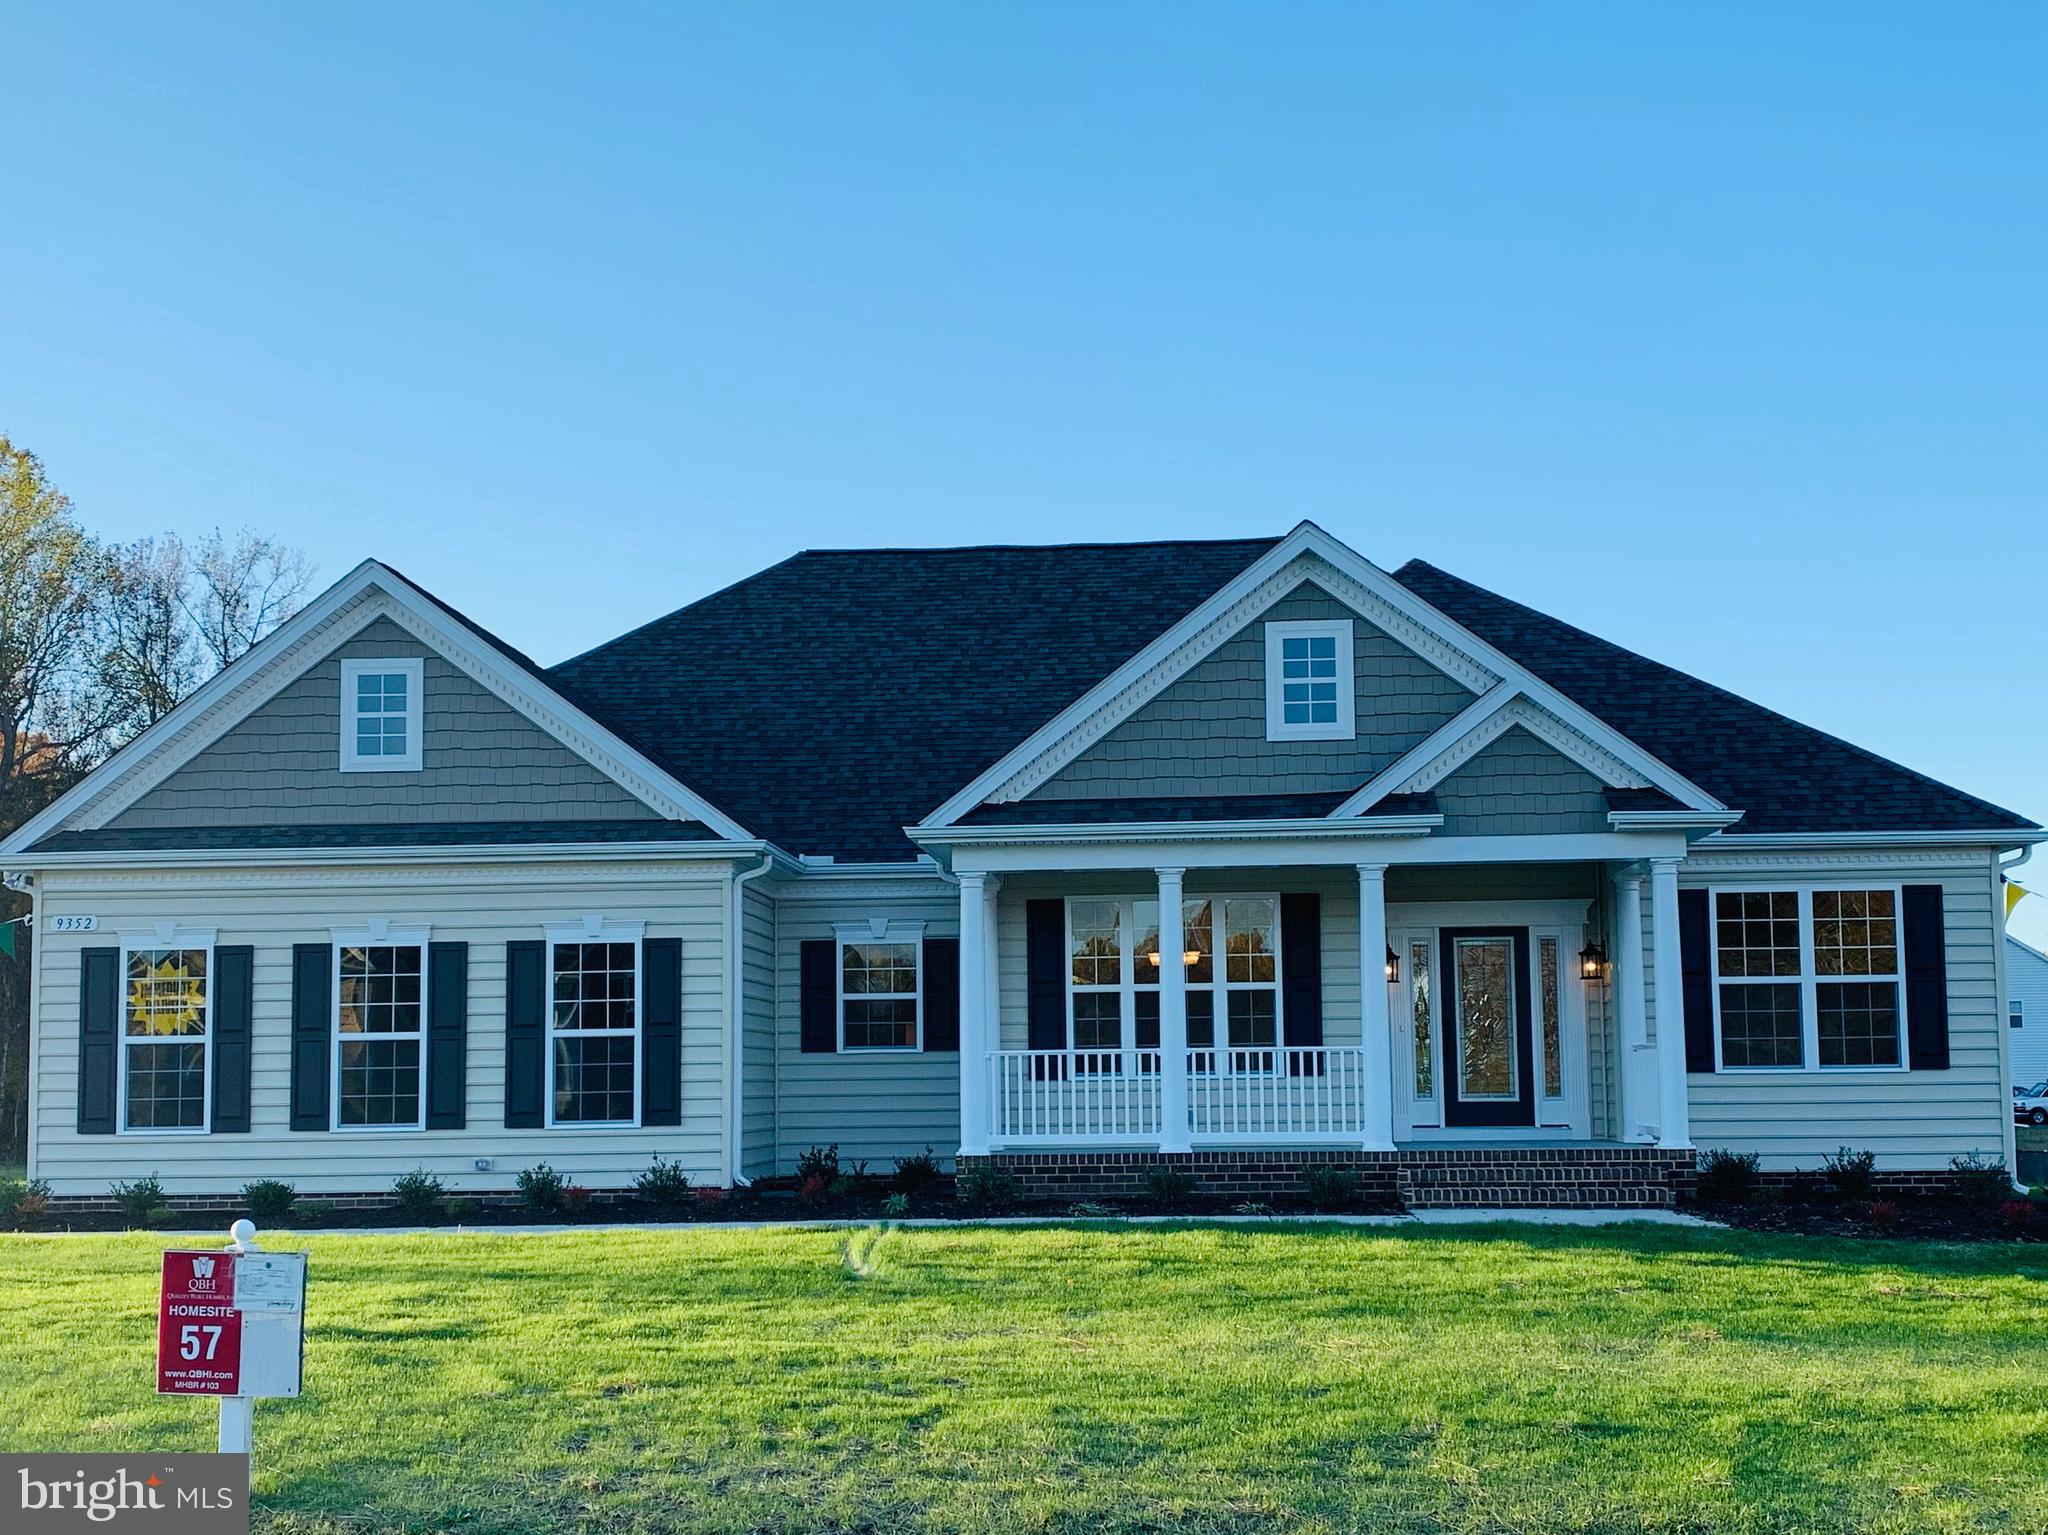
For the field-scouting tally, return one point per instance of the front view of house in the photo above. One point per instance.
(1234, 856)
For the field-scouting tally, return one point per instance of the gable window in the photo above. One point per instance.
(1115, 953)
(166, 1033)
(379, 1037)
(1808, 979)
(1309, 681)
(594, 1023)
(380, 715)
(878, 985)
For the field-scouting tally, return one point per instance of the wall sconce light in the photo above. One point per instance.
(1393, 965)
(1592, 960)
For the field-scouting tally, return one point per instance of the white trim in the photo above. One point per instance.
(594, 928)
(156, 938)
(1344, 727)
(1432, 746)
(413, 669)
(368, 592)
(879, 930)
(1349, 843)
(483, 852)
(1809, 980)
(1743, 842)
(377, 933)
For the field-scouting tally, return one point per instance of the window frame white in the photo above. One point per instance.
(1809, 980)
(1345, 726)
(413, 668)
(157, 940)
(376, 935)
(595, 930)
(878, 930)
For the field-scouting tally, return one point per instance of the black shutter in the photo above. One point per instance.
(447, 1036)
(1301, 971)
(818, 1003)
(526, 992)
(1045, 974)
(1696, 979)
(942, 994)
(661, 1032)
(99, 1037)
(312, 1021)
(234, 1005)
(1926, 944)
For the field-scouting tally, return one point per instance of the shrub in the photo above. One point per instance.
(462, 1211)
(1329, 1188)
(1728, 1176)
(919, 1174)
(1884, 1214)
(2016, 1215)
(845, 1186)
(575, 1198)
(269, 1200)
(541, 1187)
(161, 1217)
(1091, 1210)
(986, 1187)
(1853, 1173)
(1169, 1186)
(664, 1185)
(24, 1205)
(1980, 1179)
(818, 1162)
(896, 1206)
(138, 1200)
(815, 1189)
(417, 1194)
(710, 1197)
(316, 1212)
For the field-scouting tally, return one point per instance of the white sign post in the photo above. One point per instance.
(233, 1326)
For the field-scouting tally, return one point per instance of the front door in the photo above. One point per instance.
(1488, 1064)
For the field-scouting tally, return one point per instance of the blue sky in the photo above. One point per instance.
(1719, 331)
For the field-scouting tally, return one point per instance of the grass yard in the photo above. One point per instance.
(1107, 1378)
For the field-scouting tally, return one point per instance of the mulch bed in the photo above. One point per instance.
(1921, 1219)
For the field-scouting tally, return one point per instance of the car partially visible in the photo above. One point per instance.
(2030, 1104)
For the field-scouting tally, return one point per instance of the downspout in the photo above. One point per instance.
(2009, 1142)
(736, 988)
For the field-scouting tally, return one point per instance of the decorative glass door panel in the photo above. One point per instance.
(1483, 996)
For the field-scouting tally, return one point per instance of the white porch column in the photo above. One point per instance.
(1377, 1037)
(1637, 1110)
(977, 1022)
(1173, 1015)
(1674, 1122)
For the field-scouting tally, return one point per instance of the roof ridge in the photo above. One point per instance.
(1030, 548)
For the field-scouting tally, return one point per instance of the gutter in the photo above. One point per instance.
(484, 852)
(736, 988)
(2001, 837)
(1184, 831)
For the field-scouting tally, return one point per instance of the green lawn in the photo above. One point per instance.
(1109, 1378)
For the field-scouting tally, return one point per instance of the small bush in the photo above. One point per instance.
(1329, 1188)
(269, 1200)
(1980, 1179)
(1090, 1210)
(2016, 1215)
(1252, 1207)
(896, 1206)
(1853, 1173)
(709, 1197)
(918, 1175)
(1765, 1196)
(316, 1212)
(1728, 1176)
(575, 1198)
(417, 1194)
(818, 1162)
(161, 1218)
(986, 1188)
(462, 1211)
(814, 1189)
(664, 1185)
(1169, 1186)
(139, 1200)
(541, 1187)
(845, 1186)
(1884, 1214)
(24, 1206)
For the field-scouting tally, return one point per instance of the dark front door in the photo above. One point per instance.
(1489, 1073)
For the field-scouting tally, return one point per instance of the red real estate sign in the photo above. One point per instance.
(198, 1329)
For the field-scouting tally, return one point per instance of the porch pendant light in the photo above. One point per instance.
(1393, 964)
(1592, 960)
(1191, 957)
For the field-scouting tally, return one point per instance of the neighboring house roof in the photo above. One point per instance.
(1782, 775)
(423, 834)
(834, 699)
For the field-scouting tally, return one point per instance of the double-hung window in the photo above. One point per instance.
(1808, 979)
(379, 1070)
(1115, 953)
(166, 1032)
(1310, 681)
(878, 985)
(381, 715)
(594, 1024)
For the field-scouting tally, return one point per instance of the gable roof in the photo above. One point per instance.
(1783, 776)
(834, 699)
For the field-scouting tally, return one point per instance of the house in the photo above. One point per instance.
(872, 849)
(2026, 1011)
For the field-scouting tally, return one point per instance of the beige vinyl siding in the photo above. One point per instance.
(876, 1106)
(273, 909)
(1911, 1119)
(758, 1098)
(482, 760)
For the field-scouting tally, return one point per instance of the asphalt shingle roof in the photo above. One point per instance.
(420, 834)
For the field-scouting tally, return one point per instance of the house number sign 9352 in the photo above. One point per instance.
(73, 924)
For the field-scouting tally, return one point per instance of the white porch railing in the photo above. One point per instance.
(1276, 1094)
